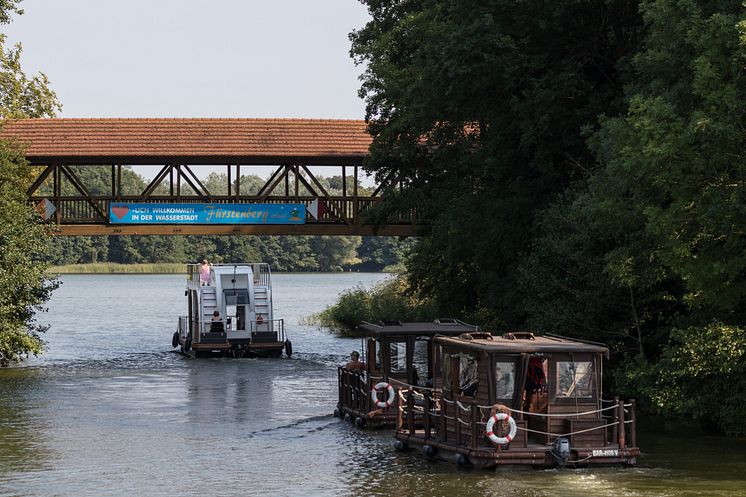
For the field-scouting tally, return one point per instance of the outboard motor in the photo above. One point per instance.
(561, 451)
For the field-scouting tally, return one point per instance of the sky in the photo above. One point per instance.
(194, 58)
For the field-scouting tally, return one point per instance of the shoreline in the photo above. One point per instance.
(150, 268)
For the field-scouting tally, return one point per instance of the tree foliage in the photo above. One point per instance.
(23, 242)
(581, 168)
(19, 95)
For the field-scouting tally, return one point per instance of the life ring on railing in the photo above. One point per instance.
(500, 416)
(374, 395)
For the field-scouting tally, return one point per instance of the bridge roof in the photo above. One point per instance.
(191, 141)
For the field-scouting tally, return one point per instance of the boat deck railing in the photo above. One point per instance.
(463, 423)
(267, 331)
(355, 391)
(261, 270)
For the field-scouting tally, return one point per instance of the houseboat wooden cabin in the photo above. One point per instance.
(518, 399)
(396, 355)
(229, 313)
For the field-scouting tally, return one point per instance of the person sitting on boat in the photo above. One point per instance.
(355, 364)
(217, 323)
(204, 273)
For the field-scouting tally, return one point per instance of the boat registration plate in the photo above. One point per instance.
(605, 453)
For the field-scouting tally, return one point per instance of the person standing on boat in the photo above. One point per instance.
(355, 364)
(204, 273)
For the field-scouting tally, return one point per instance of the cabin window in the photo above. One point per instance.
(574, 379)
(468, 379)
(504, 380)
(419, 362)
(398, 357)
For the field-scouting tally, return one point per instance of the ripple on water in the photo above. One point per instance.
(112, 411)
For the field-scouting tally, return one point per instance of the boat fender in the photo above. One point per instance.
(360, 422)
(429, 450)
(374, 395)
(175, 339)
(288, 348)
(400, 446)
(187, 344)
(488, 430)
(462, 460)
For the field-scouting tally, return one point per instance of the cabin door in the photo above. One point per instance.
(237, 309)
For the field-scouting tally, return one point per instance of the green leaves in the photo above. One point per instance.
(19, 95)
(23, 244)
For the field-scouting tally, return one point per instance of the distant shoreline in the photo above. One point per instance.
(116, 268)
(150, 268)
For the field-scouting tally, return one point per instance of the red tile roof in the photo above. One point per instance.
(195, 141)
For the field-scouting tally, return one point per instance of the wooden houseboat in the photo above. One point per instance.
(396, 355)
(518, 399)
(229, 313)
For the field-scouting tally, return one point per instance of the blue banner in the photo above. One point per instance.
(126, 213)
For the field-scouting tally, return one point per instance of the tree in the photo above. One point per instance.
(19, 95)
(479, 109)
(24, 243)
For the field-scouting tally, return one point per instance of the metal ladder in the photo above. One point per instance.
(262, 307)
(209, 305)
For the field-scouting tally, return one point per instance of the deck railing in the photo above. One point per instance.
(463, 423)
(354, 389)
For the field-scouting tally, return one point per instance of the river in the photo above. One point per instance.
(111, 410)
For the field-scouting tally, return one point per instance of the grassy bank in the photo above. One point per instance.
(114, 268)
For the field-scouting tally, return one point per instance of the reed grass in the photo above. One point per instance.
(116, 268)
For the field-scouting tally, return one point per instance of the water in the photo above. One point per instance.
(110, 410)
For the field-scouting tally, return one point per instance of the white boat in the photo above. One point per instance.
(229, 313)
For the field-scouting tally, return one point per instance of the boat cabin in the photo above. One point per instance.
(396, 355)
(229, 313)
(518, 399)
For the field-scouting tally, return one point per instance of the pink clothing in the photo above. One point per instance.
(204, 274)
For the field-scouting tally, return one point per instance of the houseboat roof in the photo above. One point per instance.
(520, 343)
(437, 327)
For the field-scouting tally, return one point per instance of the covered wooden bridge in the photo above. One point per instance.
(294, 150)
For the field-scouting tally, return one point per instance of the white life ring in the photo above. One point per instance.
(374, 395)
(500, 416)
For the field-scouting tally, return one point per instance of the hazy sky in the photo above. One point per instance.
(190, 58)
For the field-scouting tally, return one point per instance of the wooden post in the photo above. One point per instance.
(238, 181)
(633, 424)
(119, 182)
(399, 420)
(474, 427)
(230, 186)
(427, 406)
(620, 416)
(615, 420)
(355, 203)
(457, 420)
(410, 410)
(443, 434)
